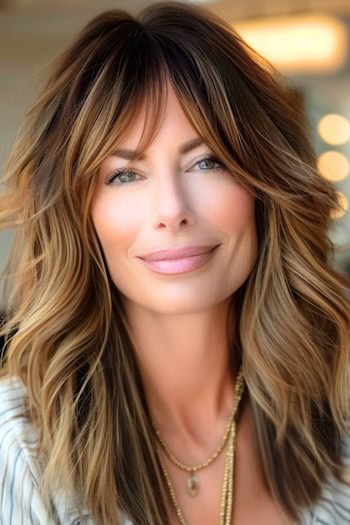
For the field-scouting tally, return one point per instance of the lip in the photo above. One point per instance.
(179, 265)
(178, 253)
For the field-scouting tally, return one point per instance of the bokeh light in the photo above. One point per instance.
(333, 166)
(343, 201)
(334, 129)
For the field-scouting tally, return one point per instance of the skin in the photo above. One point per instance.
(179, 321)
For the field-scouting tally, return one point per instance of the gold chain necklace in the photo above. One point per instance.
(227, 488)
(192, 481)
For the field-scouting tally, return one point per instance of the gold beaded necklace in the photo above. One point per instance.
(192, 482)
(193, 486)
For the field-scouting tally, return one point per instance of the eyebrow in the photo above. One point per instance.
(130, 154)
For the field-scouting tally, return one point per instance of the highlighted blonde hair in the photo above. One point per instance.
(68, 336)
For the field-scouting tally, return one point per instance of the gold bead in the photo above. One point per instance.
(228, 483)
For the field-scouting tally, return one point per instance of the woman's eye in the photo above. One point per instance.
(209, 163)
(122, 177)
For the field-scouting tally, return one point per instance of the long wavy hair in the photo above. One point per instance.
(68, 337)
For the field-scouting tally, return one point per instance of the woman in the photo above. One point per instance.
(179, 340)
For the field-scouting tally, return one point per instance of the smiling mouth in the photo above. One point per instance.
(181, 265)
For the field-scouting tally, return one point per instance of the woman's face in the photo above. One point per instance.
(173, 198)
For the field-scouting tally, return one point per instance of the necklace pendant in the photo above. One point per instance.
(193, 485)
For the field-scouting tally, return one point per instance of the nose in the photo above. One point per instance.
(172, 204)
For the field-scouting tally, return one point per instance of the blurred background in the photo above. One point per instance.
(307, 40)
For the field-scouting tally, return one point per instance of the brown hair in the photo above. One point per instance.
(72, 346)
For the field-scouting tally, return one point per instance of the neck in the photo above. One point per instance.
(185, 365)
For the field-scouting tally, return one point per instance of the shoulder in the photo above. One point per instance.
(17, 436)
(12, 394)
(19, 476)
(21, 502)
(333, 508)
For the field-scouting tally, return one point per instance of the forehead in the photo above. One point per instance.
(172, 123)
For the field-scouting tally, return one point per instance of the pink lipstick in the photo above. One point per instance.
(179, 261)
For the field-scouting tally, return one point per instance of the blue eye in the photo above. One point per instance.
(211, 160)
(121, 177)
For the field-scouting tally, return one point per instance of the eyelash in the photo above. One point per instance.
(113, 176)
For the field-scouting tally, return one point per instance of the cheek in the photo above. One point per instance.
(114, 223)
(232, 210)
